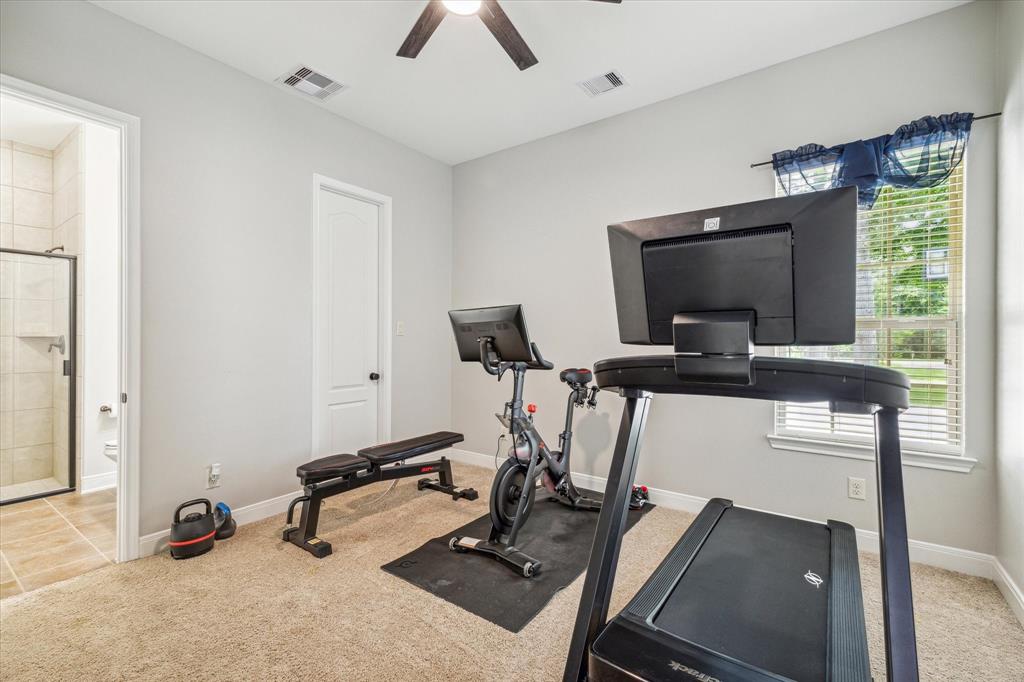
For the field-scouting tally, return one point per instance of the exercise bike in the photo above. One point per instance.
(497, 339)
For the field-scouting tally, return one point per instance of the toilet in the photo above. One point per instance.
(110, 450)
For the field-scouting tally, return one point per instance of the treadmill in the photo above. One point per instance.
(745, 595)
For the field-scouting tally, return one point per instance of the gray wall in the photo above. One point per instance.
(227, 167)
(1010, 316)
(530, 227)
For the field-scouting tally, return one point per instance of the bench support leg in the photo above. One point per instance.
(304, 535)
(445, 482)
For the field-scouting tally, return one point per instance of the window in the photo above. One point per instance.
(909, 316)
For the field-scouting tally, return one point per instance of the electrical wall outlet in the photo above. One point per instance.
(399, 328)
(855, 488)
(213, 476)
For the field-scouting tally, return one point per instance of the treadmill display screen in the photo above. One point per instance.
(757, 591)
(699, 273)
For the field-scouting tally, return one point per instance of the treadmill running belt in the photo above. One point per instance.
(751, 594)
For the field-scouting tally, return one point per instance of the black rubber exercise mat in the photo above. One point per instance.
(556, 535)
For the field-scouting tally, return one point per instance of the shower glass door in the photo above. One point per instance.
(37, 374)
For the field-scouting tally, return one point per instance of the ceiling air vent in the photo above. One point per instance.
(598, 85)
(310, 82)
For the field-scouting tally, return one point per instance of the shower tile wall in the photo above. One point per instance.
(67, 232)
(26, 311)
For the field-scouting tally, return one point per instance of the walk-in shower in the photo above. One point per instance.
(38, 343)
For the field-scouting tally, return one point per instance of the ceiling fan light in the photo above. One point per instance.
(463, 7)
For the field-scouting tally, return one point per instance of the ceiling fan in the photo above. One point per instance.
(494, 18)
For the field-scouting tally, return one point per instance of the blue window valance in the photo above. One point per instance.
(922, 153)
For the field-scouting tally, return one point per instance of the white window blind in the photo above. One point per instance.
(910, 312)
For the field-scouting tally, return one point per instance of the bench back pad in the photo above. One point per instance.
(386, 453)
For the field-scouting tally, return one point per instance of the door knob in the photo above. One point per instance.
(374, 376)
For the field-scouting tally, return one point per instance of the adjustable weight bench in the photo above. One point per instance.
(336, 474)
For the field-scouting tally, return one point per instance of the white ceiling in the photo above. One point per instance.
(463, 98)
(30, 124)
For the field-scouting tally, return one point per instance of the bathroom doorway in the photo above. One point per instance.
(68, 337)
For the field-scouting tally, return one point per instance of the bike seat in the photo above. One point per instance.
(581, 376)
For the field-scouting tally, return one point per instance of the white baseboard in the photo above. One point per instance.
(663, 498)
(477, 459)
(931, 554)
(154, 543)
(1011, 591)
(91, 484)
(940, 556)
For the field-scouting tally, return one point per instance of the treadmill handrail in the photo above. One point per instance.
(791, 379)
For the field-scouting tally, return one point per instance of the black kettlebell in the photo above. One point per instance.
(193, 535)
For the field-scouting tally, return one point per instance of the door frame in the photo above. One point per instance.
(384, 300)
(130, 300)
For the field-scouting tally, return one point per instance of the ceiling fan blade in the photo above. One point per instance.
(498, 23)
(421, 31)
(617, 2)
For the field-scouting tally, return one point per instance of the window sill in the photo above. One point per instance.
(866, 452)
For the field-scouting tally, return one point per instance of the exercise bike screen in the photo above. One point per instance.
(757, 591)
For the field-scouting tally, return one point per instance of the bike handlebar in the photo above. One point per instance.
(540, 362)
(491, 364)
(495, 366)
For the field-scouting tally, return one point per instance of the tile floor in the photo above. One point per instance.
(55, 538)
(42, 485)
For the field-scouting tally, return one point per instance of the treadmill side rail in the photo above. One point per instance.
(847, 637)
(652, 595)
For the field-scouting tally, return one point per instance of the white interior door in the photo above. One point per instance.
(348, 323)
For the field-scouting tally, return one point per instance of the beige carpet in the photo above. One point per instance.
(258, 609)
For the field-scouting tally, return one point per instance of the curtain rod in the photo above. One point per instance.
(976, 118)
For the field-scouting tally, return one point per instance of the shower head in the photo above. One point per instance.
(56, 248)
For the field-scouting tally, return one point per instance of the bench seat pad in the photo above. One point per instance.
(386, 453)
(333, 466)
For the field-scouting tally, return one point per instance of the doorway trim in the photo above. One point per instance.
(130, 302)
(384, 300)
